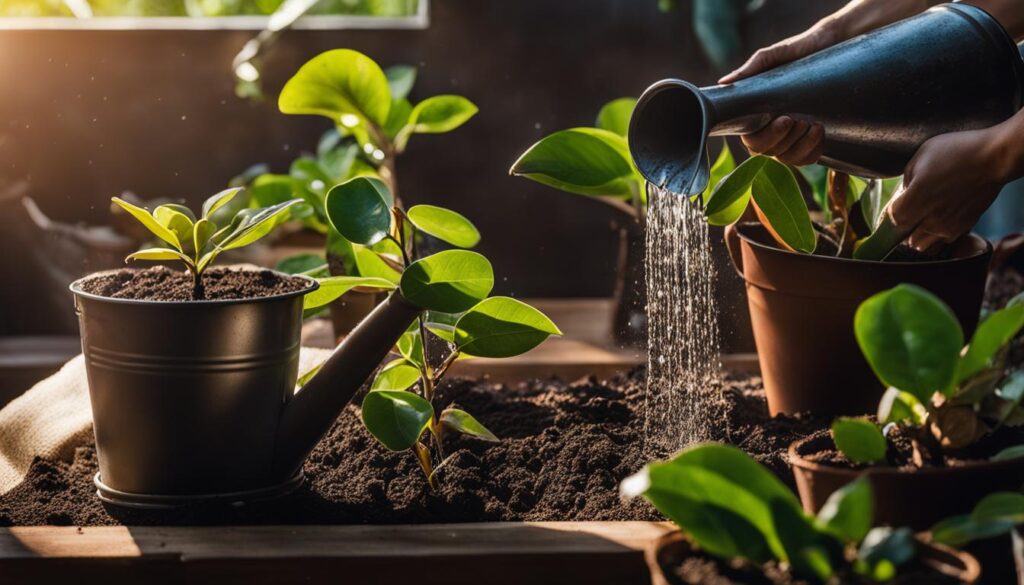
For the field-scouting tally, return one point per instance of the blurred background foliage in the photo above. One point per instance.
(39, 8)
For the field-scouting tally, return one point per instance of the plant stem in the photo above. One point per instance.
(198, 293)
(423, 457)
(443, 368)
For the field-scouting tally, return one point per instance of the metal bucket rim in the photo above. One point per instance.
(76, 289)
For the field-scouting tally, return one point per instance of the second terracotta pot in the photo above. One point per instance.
(802, 308)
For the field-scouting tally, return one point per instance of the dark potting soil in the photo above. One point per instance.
(564, 450)
(159, 283)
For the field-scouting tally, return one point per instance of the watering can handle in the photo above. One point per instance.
(732, 242)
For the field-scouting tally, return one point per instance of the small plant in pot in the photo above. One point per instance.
(195, 399)
(949, 425)
(374, 122)
(739, 523)
(795, 267)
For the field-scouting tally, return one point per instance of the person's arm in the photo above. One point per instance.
(953, 178)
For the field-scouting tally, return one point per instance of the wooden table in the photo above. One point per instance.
(560, 553)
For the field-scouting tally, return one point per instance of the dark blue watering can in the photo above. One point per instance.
(879, 97)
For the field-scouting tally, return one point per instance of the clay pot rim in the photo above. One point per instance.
(746, 225)
(76, 288)
(970, 573)
(797, 460)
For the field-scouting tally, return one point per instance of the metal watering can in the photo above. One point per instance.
(195, 401)
(879, 97)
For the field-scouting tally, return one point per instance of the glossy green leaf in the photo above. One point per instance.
(991, 336)
(451, 281)
(995, 515)
(778, 198)
(159, 254)
(400, 78)
(724, 165)
(441, 113)
(886, 237)
(333, 287)
(146, 219)
(173, 219)
(202, 231)
(849, 511)
(885, 545)
(444, 224)
(410, 345)
(859, 439)
(911, 339)
(897, 406)
(398, 118)
(816, 176)
(501, 327)
(305, 378)
(806, 549)
(302, 264)
(730, 196)
(587, 161)
(359, 210)
(343, 85)
(1000, 506)
(463, 422)
(1008, 453)
(614, 116)
(398, 375)
(215, 202)
(371, 264)
(396, 418)
(874, 200)
(258, 224)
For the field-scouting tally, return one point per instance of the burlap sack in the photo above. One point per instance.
(54, 417)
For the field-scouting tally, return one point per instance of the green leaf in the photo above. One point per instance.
(398, 375)
(886, 237)
(159, 254)
(991, 336)
(859, 439)
(501, 327)
(396, 418)
(614, 116)
(724, 165)
(586, 161)
(463, 422)
(958, 531)
(849, 511)
(1015, 452)
(149, 221)
(817, 178)
(400, 78)
(897, 406)
(451, 281)
(333, 287)
(202, 231)
(1000, 506)
(441, 113)
(806, 549)
(410, 345)
(401, 110)
(730, 196)
(885, 545)
(301, 263)
(219, 200)
(258, 223)
(911, 339)
(370, 263)
(359, 210)
(874, 200)
(343, 85)
(444, 224)
(171, 217)
(778, 198)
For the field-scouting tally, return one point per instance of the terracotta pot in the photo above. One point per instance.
(916, 498)
(802, 308)
(672, 548)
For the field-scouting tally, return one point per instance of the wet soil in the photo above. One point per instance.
(564, 450)
(159, 283)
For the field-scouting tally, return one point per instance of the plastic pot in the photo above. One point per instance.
(802, 308)
(672, 548)
(916, 498)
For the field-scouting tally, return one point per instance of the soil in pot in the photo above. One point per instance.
(564, 449)
(159, 283)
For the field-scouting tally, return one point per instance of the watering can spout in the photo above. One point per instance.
(879, 97)
(312, 410)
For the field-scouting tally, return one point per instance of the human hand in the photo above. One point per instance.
(952, 179)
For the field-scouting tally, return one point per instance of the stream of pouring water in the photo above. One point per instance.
(684, 369)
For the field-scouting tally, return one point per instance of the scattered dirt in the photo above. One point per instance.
(564, 450)
(159, 283)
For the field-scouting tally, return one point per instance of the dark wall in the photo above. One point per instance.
(85, 115)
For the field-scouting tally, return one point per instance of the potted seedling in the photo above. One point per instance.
(595, 162)
(948, 428)
(805, 279)
(739, 523)
(373, 123)
(192, 374)
(401, 410)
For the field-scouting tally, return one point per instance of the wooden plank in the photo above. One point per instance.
(541, 552)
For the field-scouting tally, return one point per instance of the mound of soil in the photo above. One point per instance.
(159, 283)
(564, 450)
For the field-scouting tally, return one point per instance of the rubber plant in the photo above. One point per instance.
(855, 227)
(942, 394)
(453, 285)
(735, 509)
(197, 240)
(373, 123)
